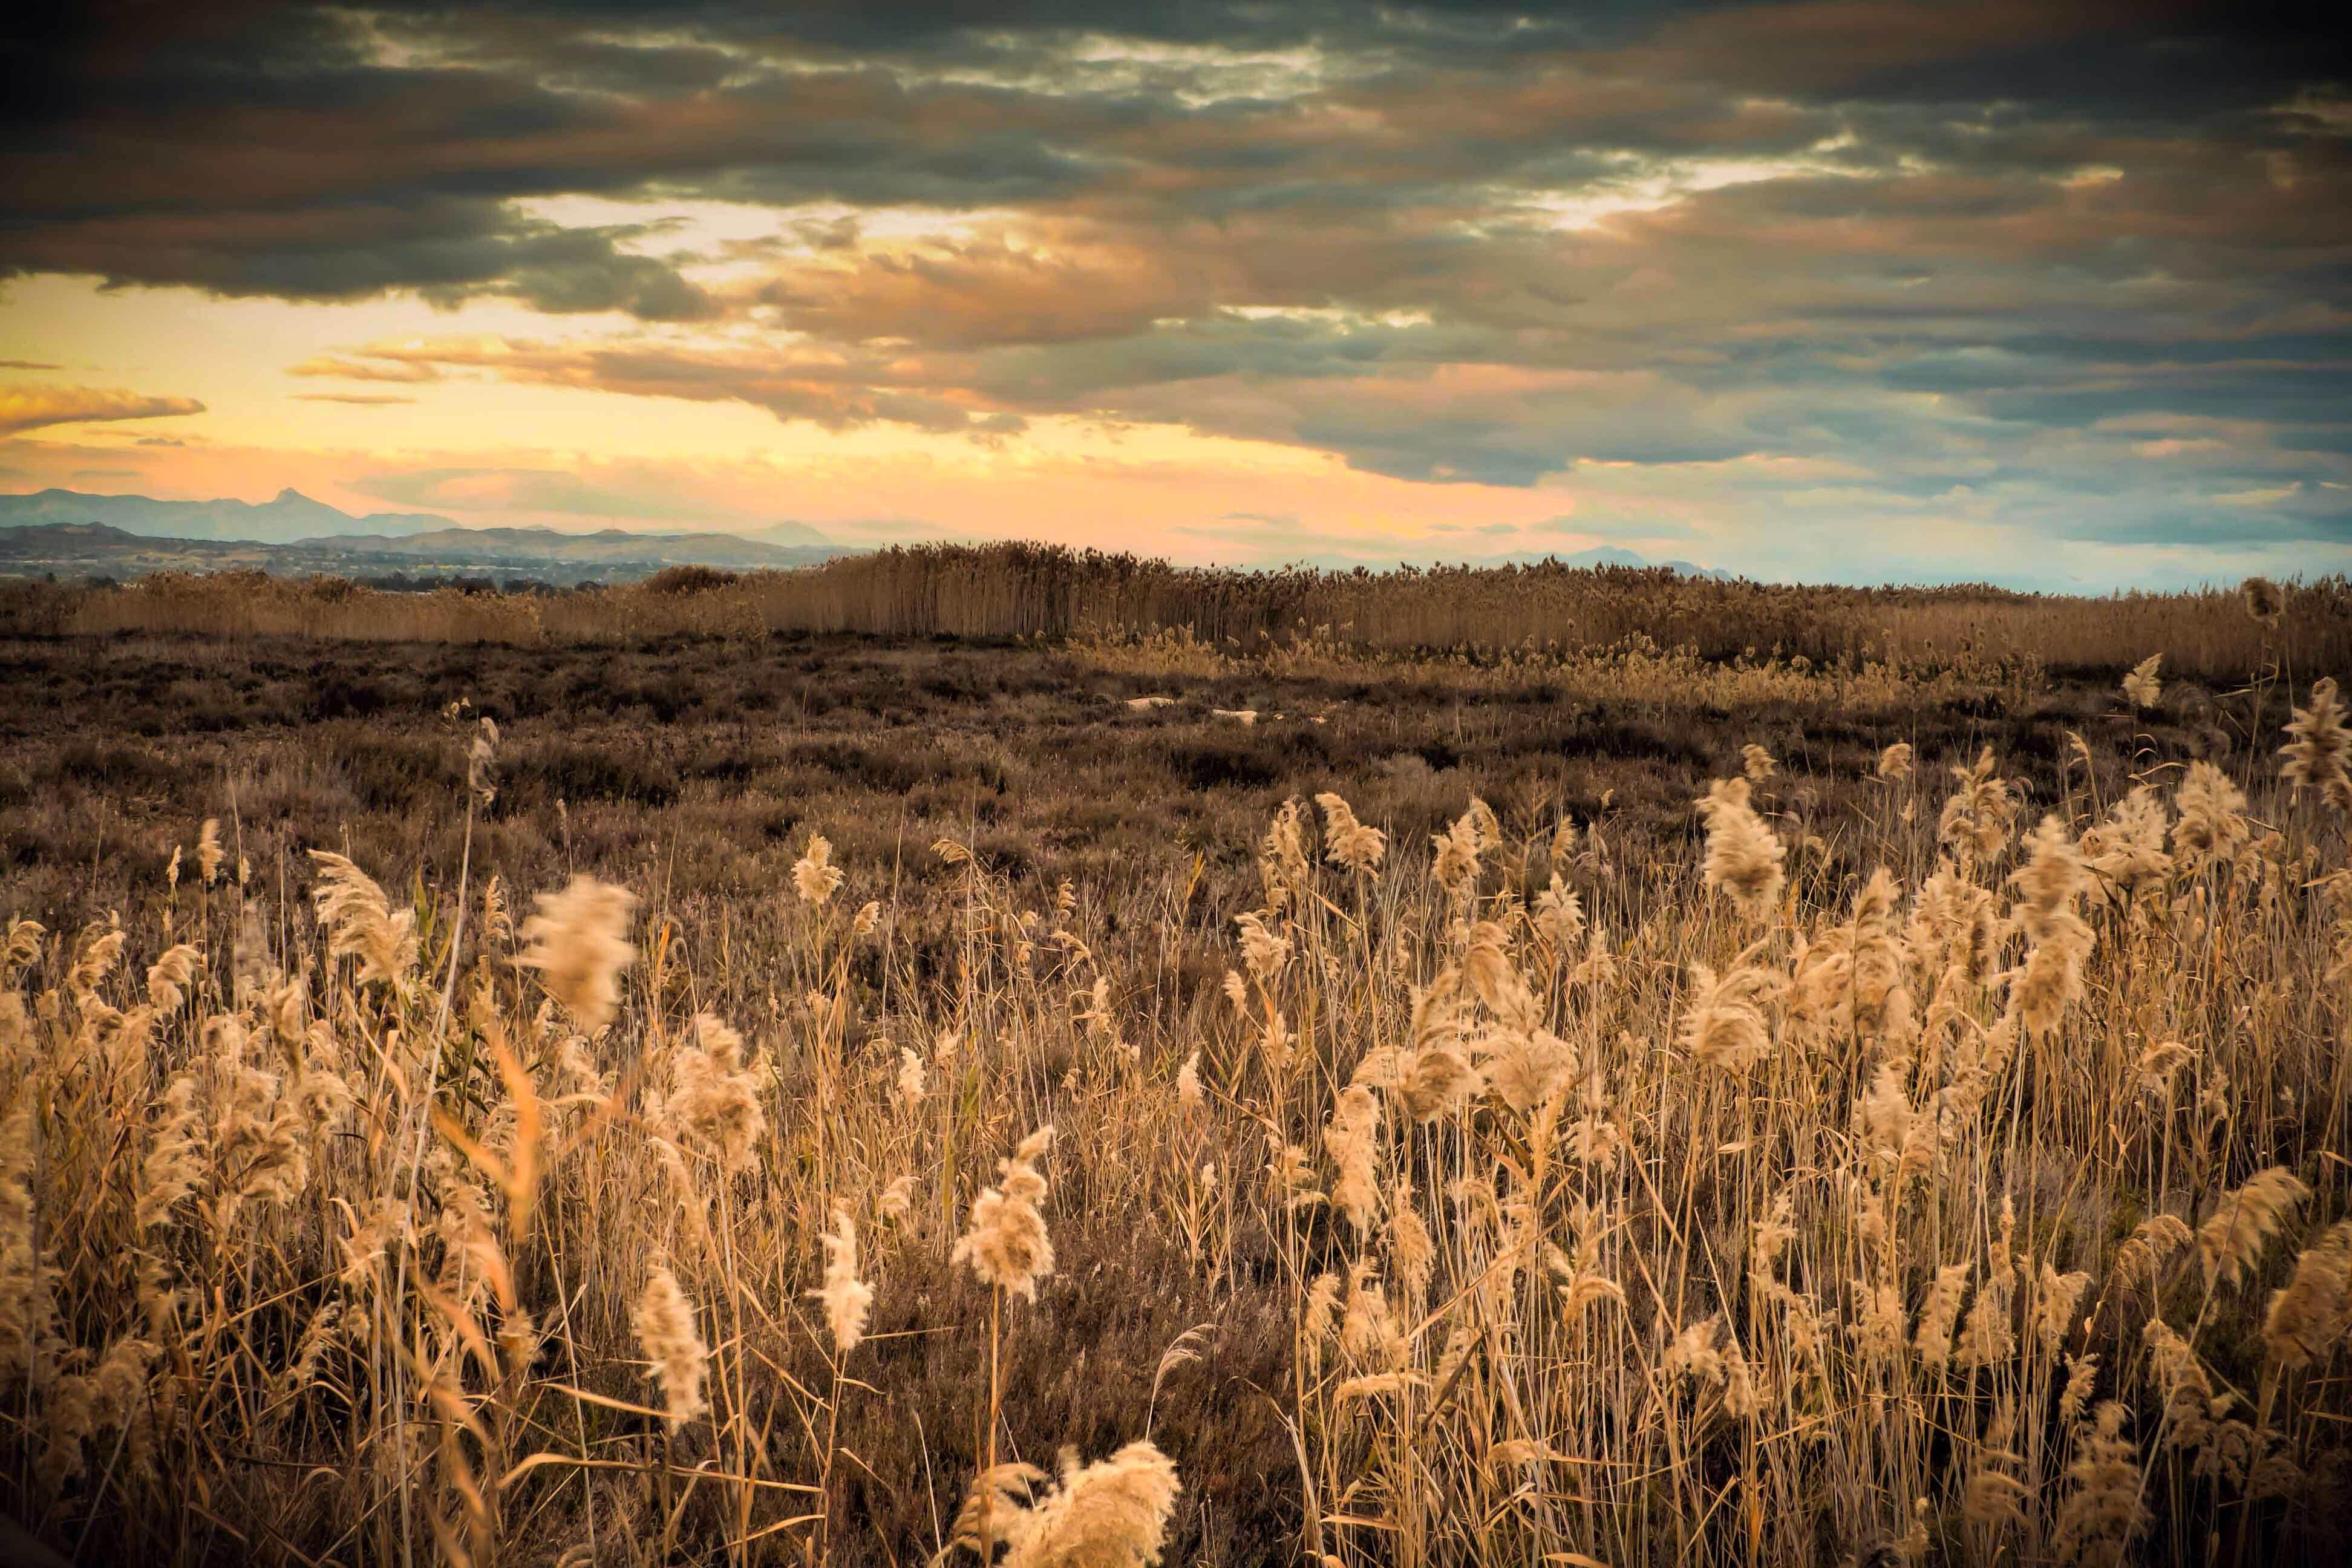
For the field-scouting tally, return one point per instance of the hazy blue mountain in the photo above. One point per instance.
(530, 544)
(290, 516)
(789, 536)
(71, 550)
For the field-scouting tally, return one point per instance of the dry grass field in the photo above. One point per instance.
(708, 1082)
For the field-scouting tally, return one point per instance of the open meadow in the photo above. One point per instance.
(953, 1057)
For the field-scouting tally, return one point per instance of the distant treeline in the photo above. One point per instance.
(1005, 591)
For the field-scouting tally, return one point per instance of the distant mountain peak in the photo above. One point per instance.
(289, 516)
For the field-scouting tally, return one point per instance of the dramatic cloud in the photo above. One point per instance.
(30, 407)
(1777, 278)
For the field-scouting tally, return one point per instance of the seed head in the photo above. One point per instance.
(362, 924)
(2264, 600)
(579, 944)
(666, 1328)
(814, 874)
(1743, 858)
(1005, 1244)
(846, 1298)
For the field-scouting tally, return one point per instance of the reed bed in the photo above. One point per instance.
(1479, 615)
(1517, 1201)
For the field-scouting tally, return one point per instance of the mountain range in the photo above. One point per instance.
(288, 517)
(71, 532)
(292, 518)
(607, 546)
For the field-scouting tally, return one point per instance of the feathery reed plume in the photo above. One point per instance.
(1352, 1142)
(1879, 998)
(1348, 842)
(2050, 881)
(174, 1161)
(1894, 762)
(1940, 1313)
(1560, 915)
(846, 1298)
(2213, 825)
(1112, 1513)
(2055, 1297)
(1189, 1099)
(897, 1201)
(1265, 952)
(2155, 1067)
(2264, 600)
(2308, 1319)
(2316, 754)
(2232, 1238)
(1370, 1334)
(1986, 1337)
(20, 1263)
(998, 1498)
(1977, 816)
(23, 945)
(666, 1332)
(1410, 1246)
(2125, 853)
(498, 923)
(1723, 1023)
(2152, 1241)
(2081, 1381)
(1757, 763)
(1743, 858)
(362, 924)
(1457, 851)
(1995, 1499)
(2143, 688)
(168, 977)
(1282, 864)
(2102, 1511)
(579, 944)
(1433, 1075)
(715, 1098)
(1006, 1245)
(94, 962)
(1693, 1353)
(914, 1083)
(814, 875)
(209, 850)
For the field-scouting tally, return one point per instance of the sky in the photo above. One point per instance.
(2044, 292)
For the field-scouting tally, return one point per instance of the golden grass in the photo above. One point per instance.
(1515, 616)
(1988, 1205)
